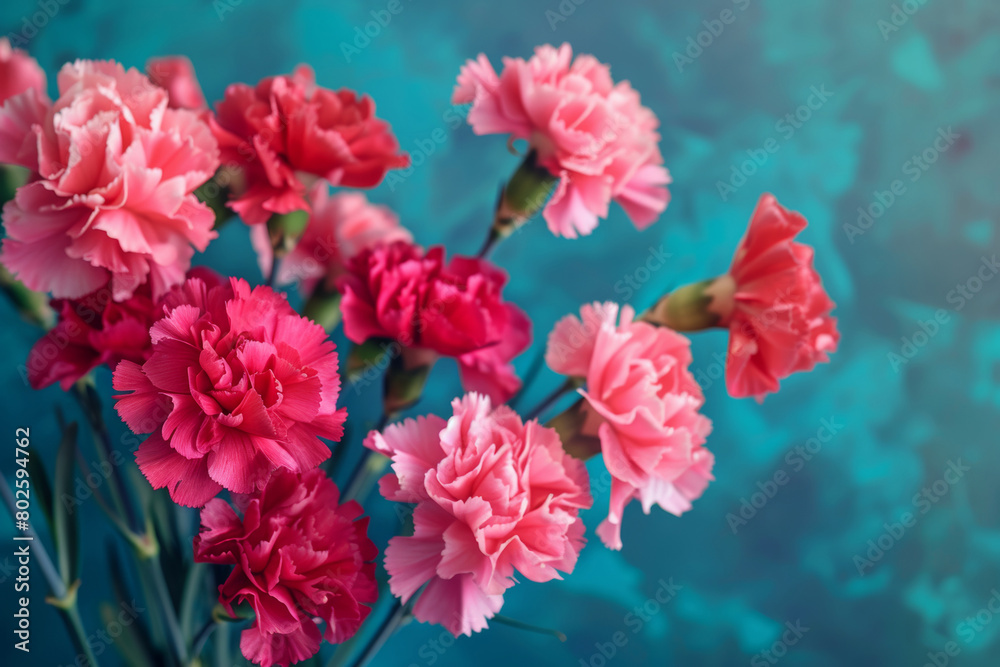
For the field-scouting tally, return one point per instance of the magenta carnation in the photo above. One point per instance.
(238, 384)
(111, 197)
(493, 496)
(286, 126)
(454, 309)
(299, 557)
(643, 404)
(592, 134)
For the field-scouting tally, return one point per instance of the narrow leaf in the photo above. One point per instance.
(65, 503)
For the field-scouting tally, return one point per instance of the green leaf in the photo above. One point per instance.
(65, 523)
(137, 648)
(40, 483)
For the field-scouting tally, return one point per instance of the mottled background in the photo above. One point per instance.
(888, 90)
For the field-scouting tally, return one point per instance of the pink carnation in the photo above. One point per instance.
(774, 305)
(592, 134)
(176, 75)
(453, 309)
(111, 195)
(299, 557)
(493, 495)
(341, 226)
(19, 72)
(286, 132)
(642, 403)
(238, 384)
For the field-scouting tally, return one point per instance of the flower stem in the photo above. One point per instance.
(391, 623)
(201, 639)
(90, 403)
(151, 569)
(571, 384)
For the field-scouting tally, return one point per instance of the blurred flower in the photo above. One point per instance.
(111, 195)
(591, 134)
(401, 293)
(19, 72)
(493, 495)
(287, 132)
(771, 300)
(775, 307)
(238, 385)
(299, 557)
(95, 330)
(176, 75)
(642, 403)
(340, 226)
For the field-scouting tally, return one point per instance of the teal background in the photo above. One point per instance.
(899, 420)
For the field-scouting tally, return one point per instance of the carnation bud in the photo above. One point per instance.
(285, 229)
(405, 379)
(569, 426)
(694, 307)
(522, 197)
(323, 307)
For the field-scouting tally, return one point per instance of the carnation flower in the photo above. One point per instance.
(299, 558)
(774, 305)
(493, 495)
(111, 195)
(237, 385)
(454, 309)
(94, 331)
(176, 75)
(286, 132)
(590, 133)
(642, 403)
(340, 226)
(19, 72)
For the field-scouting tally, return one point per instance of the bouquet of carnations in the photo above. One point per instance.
(232, 395)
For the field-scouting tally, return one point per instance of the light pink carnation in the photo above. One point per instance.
(111, 195)
(642, 402)
(176, 75)
(299, 558)
(238, 384)
(19, 72)
(341, 225)
(592, 134)
(493, 495)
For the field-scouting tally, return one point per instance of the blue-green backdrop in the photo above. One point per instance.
(913, 391)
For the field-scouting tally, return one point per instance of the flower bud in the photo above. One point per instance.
(285, 229)
(522, 197)
(569, 426)
(323, 307)
(695, 307)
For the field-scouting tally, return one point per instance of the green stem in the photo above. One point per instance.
(571, 384)
(150, 566)
(388, 627)
(521, 625)
(63, 599)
